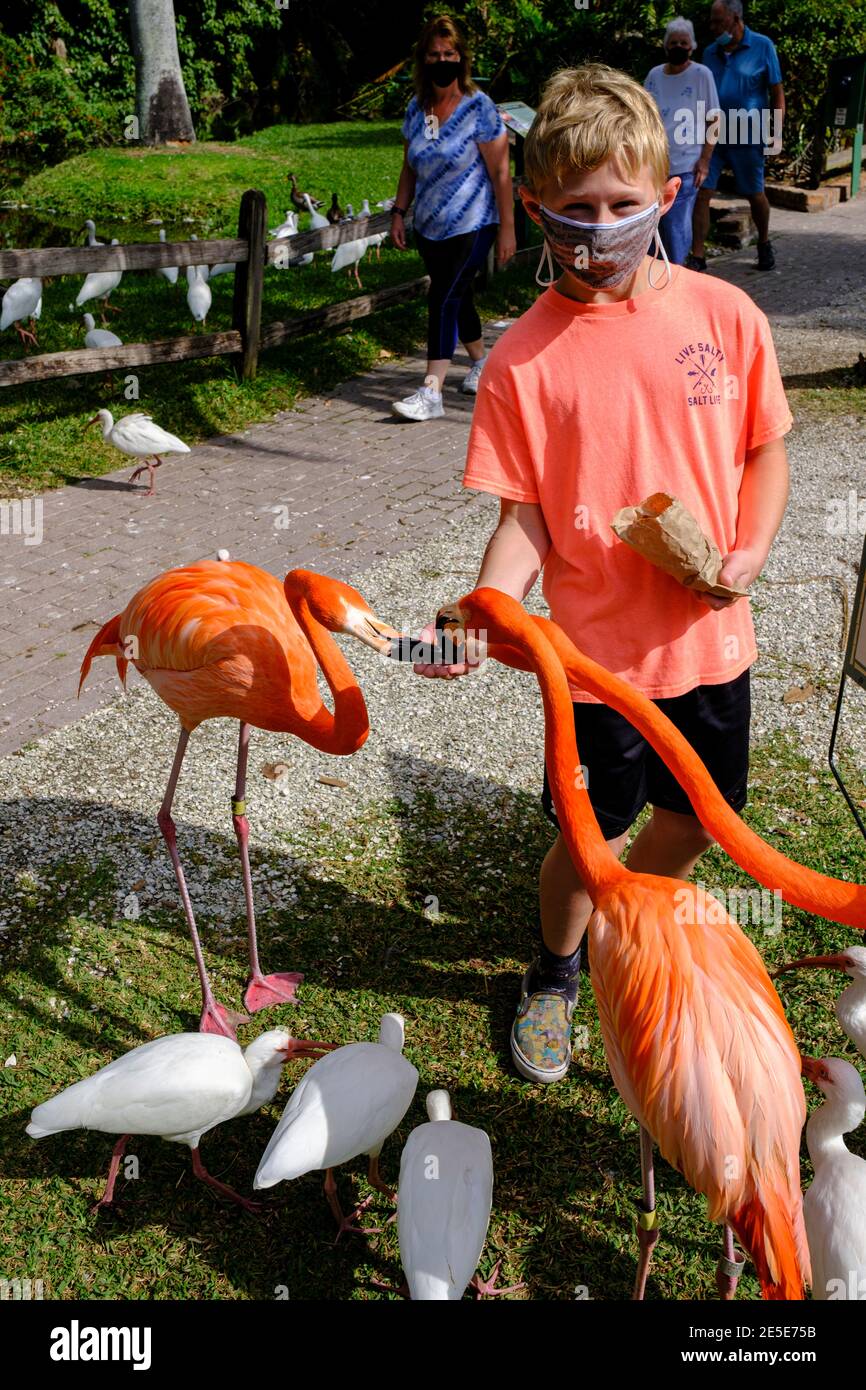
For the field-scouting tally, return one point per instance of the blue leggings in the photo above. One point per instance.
(451, 265)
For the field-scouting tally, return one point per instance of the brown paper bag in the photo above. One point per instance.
(664, 532)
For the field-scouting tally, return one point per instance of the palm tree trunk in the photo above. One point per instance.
(160, 98)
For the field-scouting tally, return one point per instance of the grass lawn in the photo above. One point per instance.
(83, 984)
(41, 441)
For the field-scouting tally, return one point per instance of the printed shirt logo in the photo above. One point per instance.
(705, 379)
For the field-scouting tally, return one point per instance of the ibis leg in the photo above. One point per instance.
(262, 990)
(223, 1188)
(346, 1223)
(214, 1017)
(116, 1155)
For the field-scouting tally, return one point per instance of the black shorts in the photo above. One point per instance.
(623, 772)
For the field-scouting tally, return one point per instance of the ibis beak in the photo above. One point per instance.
(299, 1047)
(94, 421)
(837, 962)
(814, 1069)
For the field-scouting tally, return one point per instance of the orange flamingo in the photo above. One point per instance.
(224, 639)
(694, 1032)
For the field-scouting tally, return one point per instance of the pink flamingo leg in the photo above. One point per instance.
(117, 1154)
(262, 990)
(729, 1268)
(214, 1017)
(201, 1172)
(647, 1229)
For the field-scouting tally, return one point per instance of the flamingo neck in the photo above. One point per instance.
(346, 729)
(590, 853)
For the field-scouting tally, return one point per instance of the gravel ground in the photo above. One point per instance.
(94, 788)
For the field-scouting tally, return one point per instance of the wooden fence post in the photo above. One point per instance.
(249, 281)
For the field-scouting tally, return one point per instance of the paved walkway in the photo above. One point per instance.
(333, 484)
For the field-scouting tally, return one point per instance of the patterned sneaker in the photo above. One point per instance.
(469, 384)
(423, 404)
(541, 1033)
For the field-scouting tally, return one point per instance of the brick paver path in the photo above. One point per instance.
(333, 485)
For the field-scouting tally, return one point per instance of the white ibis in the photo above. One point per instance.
(347, 1104)
(834, 1206)
(377, 240)
(198, 296)
(22, 300)
(168, 272)
(365, 209)
(177, 1087)
(99, 285)
(348, 256)
(99, 337)
(222, 268)
(140, 437)
(317, 221)
(90, 227)
(287, 228)
(851, 1004)
(443, 1210)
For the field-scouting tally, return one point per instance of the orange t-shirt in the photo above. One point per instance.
(587, 408)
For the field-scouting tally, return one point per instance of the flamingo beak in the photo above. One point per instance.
(814, 1069)
(298, 1047)
(371, 631)
(446, 649)
(836, 962)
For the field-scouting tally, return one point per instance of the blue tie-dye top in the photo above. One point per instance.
(453, 192)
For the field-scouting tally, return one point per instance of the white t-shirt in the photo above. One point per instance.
(684, 100)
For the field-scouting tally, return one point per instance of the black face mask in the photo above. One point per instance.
(677, 56)
(442, 72)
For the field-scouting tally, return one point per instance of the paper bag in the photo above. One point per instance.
(664, 532)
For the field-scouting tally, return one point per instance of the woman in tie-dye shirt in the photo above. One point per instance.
(457, 168)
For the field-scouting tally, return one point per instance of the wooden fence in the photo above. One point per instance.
(251, 252)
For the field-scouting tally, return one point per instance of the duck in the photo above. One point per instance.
(335, 212)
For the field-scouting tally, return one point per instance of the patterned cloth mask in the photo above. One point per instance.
(621, 245)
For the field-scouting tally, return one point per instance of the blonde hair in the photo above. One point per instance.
(591, 114)
(442, 27)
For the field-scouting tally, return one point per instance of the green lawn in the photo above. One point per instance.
(41, 442)
(566, 1157)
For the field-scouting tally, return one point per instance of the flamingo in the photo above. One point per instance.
(22, 300)
(835, 1204)
(851, 1004)
(347, 1104)
(178, 1087)
(222, 638)
(139, 435)
(694, 1033)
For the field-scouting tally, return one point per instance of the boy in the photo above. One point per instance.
(619, 382)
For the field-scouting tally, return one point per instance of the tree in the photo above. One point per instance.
(160, 97)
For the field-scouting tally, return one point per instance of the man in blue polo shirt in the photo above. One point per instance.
(749, 81)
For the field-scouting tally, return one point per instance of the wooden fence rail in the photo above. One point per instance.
(251, 252)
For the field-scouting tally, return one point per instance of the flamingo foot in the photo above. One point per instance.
(487, 1287)
(727, 1275)
(265, 990)
(216, 1018)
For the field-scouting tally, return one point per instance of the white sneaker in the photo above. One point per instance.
(424, 404)
(469, 384)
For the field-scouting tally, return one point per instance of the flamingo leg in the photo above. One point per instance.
(201, 1172)
(647, 1228)
(729, 1268)
(262, 990)
(116, 1155)
(214, 1017)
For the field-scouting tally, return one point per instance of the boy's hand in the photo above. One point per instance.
(447, 673)
(739, 569)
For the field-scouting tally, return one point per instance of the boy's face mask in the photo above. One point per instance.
(580, 247)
